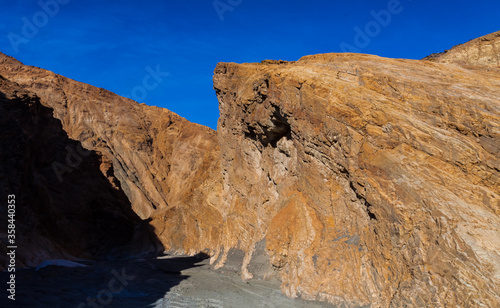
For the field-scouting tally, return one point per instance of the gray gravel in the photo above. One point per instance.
(164, 281)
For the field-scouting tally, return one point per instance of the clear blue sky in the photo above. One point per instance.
(115, 44)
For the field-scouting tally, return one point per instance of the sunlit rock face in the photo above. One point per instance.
(372, 180)
(166, 167)
(483, 52)
(355, 179)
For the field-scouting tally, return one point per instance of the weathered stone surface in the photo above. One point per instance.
(69, 212)
(372, 180)
(167, 166)
(483, 51)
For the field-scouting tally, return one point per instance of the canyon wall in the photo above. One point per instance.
(371, 180)
(166, 166)
(354, 179)
(65, 207)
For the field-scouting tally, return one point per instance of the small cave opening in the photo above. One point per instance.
(280, 129)
(271, 134)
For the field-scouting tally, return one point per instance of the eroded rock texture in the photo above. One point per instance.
(167, 167)
(483, 51)
(372, 180)
(80, 215)
(355, 179)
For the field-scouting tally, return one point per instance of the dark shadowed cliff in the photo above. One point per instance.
(66, 207)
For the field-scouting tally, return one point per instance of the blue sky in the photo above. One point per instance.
(117, 44)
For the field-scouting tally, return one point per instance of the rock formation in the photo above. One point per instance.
(165, 164)
(372, 180)
(65, 206)
(483, 51)
(355, 179)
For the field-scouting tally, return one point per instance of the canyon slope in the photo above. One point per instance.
(65, 207)
(483, 52)
(370, 180)
(353, 179)
(163, 163)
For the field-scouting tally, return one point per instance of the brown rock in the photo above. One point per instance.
(372, 180)
(483, 51)
(65, 207)
(167, 166)
(369, 181)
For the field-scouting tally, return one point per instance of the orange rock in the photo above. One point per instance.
(68, 202)
(167, 166)
(372, 180)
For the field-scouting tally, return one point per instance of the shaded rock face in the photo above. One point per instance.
(167, 166)
(483, 51)
(372, 180)
(77, 213)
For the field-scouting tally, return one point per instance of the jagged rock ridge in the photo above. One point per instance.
(372, 180)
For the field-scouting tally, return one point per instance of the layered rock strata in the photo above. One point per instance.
(355, 179)
(167, 166)
(65, 207)
(372, 180)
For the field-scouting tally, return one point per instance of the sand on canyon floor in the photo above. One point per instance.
(153, 281)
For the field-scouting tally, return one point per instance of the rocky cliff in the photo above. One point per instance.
(355, 179)
(371, 180)
(65, 207)
(165, 164)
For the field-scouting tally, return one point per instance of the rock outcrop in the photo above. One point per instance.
(483, 51)
(65, 207)
(371, 180)
(167, 166)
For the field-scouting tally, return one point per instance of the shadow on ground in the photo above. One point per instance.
(133, 283)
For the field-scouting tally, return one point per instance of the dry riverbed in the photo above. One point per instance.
(164, 281)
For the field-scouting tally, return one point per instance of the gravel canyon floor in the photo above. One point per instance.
(151, 281)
